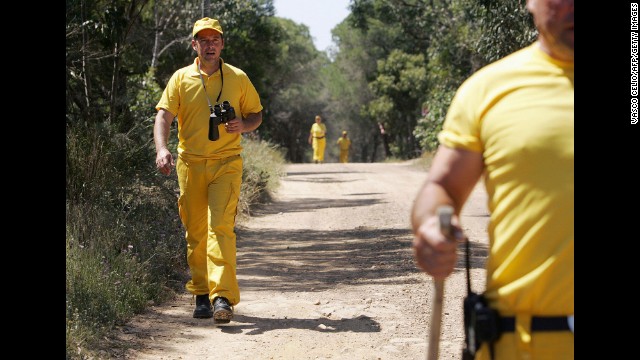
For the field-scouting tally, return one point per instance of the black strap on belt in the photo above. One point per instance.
(487, 325)
(538, 323)
(321, 137)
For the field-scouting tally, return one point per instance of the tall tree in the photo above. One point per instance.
(295, 87)
(347, 80)
(456, 37)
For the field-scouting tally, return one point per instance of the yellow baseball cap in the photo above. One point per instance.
(206, 23)
(344, 133)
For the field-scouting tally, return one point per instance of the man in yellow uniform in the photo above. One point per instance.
(317, 140)
(209, 166)
(512, 122)
(344, 143)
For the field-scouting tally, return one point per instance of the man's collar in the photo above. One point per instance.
(193, 70)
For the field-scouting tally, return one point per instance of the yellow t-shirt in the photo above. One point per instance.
(318, 130)
(519, 113)
(184, 96)
(344, 143)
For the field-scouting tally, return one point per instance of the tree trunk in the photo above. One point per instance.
(85, 77)
(206, 7)
(114, 82)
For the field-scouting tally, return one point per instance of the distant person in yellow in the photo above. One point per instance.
(317, 140)
(344, 143)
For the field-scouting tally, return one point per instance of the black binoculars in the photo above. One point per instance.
(221, 114)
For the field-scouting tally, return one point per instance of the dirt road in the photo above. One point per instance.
(326, 272)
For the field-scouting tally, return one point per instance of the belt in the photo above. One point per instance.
(538, 323)
(321, 137)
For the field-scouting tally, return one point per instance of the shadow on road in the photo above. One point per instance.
(257, 325)
(303, 260)
(311, 204)
(241, 324)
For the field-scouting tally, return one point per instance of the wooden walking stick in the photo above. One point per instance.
(444, 215)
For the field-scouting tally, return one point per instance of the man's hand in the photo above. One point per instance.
(240, 125)
(434, 253)
(234, 126)
(164, 161)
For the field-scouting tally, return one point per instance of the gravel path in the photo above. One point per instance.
(326, 272)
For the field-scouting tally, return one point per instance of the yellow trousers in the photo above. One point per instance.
(344, 156)
(209, 193)
(543, 345)
(318, 149)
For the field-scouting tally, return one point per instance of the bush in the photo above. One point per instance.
(261, 173)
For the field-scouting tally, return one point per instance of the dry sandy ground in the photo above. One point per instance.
(326, 272)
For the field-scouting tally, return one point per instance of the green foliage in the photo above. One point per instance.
(250, 38)
(100, 53)
(399, 86)
(102, 290)
(498, 27)
(147, 96)
(397, 34)
(346, 79)
(295, 90)
(456, 38)
(123, 239)
(430, 124)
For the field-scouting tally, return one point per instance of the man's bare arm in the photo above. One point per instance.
(452, 176)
